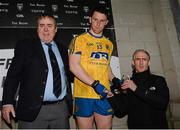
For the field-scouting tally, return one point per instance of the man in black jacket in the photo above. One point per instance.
(32, 71)
(147, 96)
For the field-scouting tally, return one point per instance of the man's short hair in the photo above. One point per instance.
(100, 8)
(44, 15)
(140, 50)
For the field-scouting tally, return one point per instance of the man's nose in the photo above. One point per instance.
(141, 62)
(45, 28)
(98, 23)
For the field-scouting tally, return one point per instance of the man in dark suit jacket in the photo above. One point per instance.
(32, 73)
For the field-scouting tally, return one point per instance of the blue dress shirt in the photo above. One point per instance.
(49, 96)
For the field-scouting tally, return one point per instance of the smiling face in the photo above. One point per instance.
(46, 29)
(141, 61)
(98, 22)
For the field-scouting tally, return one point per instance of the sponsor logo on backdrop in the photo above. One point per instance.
(19, 6)
(54, 8)
(5, 61)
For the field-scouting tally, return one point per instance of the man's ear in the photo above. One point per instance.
(56, 29)
(132, 64)
(107, 22)
(90, 19)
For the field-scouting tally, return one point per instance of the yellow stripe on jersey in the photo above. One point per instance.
(95, 60)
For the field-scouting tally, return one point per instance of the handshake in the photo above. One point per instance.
(115, 88)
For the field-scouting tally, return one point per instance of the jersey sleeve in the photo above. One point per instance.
(76, 46)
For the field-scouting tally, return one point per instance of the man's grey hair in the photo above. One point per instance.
(140, 50)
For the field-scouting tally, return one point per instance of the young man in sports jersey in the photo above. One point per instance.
(89, 57)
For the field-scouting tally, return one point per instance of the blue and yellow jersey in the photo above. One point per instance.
(95, 59)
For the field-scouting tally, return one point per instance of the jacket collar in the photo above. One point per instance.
(141, 77)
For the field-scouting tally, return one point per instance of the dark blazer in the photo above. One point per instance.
(28, 72)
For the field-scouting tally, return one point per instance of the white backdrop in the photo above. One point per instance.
(5, 59)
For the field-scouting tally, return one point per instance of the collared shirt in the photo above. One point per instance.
(48, 95)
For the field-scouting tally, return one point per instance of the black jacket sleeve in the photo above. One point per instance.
(157, 97)
(14, 74)
(119, 104)
(69, 76)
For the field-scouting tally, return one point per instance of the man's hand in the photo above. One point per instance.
(116, 86)
(117, 82)
(7, 112)
(99, 89)
(129, 84)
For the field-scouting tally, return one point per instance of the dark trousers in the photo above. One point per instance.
(52, 116)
